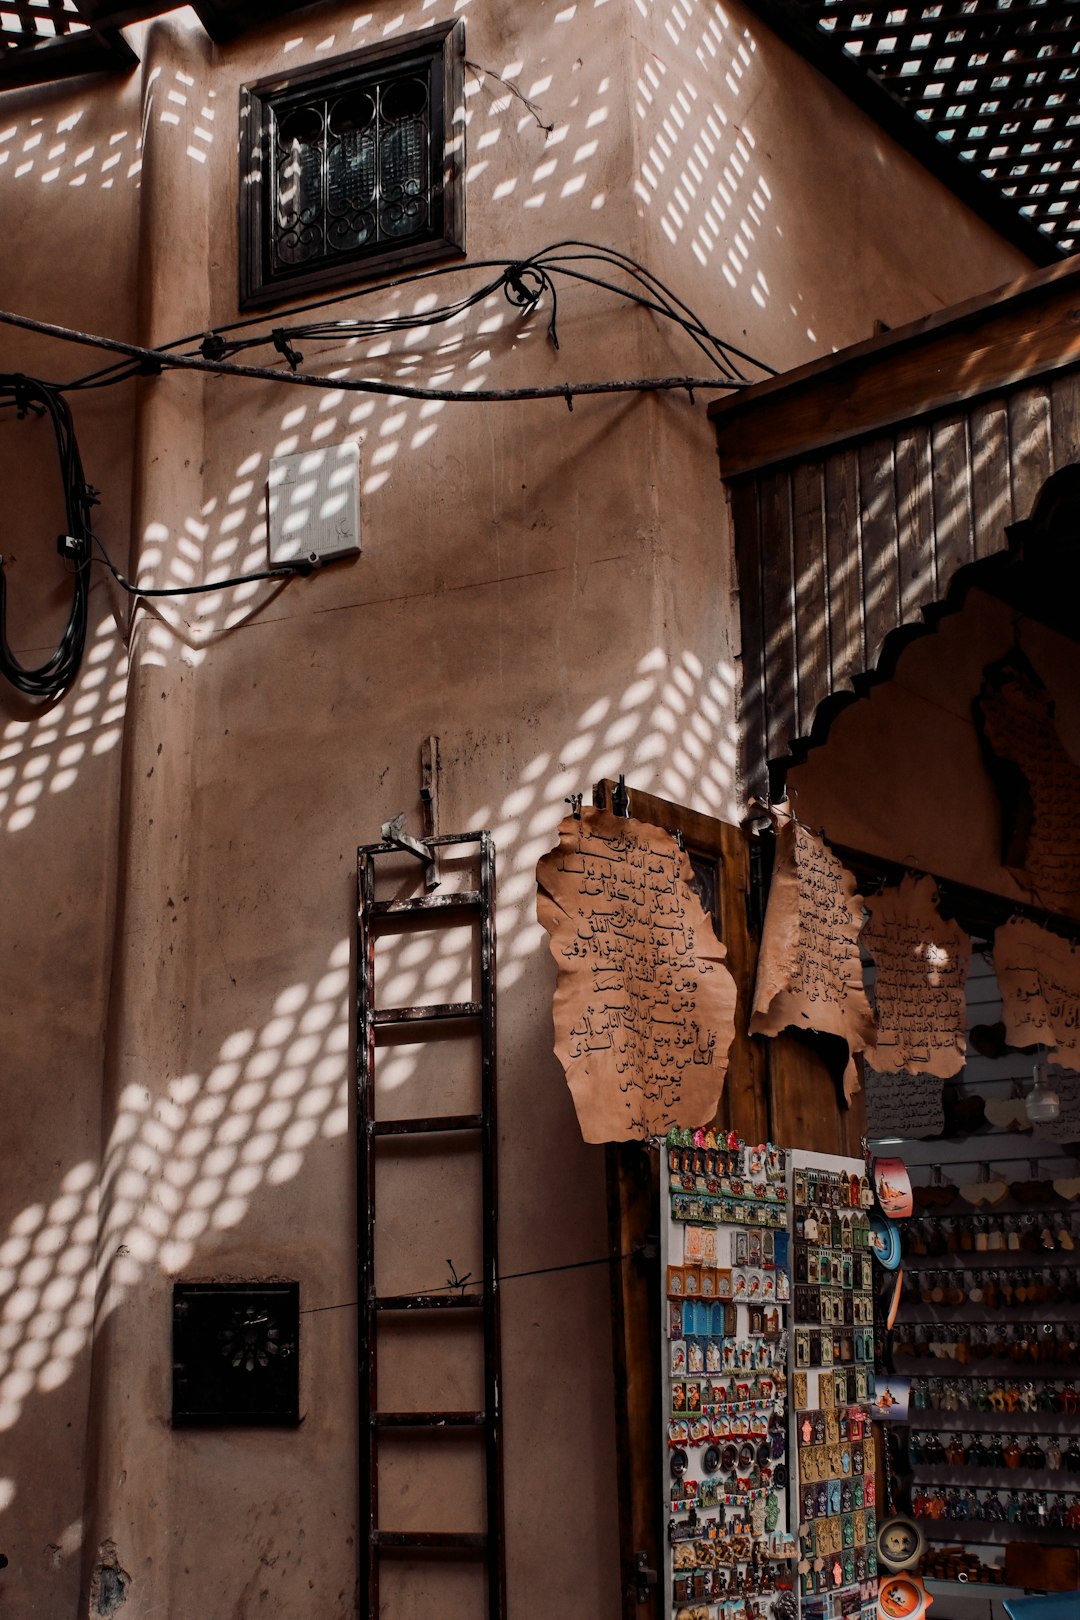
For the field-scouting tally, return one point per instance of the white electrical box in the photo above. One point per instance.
(313, 505)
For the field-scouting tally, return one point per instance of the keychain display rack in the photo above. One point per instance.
(988, 1330)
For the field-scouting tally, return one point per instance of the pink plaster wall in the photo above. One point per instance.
(547, 592)
(68, 172)
(783, 211)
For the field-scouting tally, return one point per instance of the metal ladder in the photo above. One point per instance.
(374, 917)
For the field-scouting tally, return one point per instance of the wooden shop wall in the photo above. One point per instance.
(860, 485)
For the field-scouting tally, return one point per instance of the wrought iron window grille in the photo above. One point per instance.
(352, 168)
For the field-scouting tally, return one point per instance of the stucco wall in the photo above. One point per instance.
(776, 206)
(68, 172)
(547, 592)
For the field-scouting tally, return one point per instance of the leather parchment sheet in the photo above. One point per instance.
(809, 972)
(644, 1008)
(1038, 974)
(921, 964)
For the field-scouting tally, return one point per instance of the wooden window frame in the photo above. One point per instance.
(440, 50)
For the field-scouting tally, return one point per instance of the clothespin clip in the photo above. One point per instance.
(285, 348)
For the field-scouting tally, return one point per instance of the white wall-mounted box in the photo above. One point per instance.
(313, 505)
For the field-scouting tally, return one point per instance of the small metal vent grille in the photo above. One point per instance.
(996, 81)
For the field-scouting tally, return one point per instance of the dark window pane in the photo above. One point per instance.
(298, 233)
(350, 173)
(403, 159)
(352, 113)
(407, 99)
(301, 126)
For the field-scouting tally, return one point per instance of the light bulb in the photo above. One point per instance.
(1042, 1103)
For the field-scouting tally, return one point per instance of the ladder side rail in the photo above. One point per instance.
(365, 1220)
(492, 1361)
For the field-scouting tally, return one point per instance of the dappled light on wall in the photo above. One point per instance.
(700, 167)
(187, 1155)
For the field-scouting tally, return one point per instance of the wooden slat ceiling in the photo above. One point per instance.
(986, 92)
(42, 40)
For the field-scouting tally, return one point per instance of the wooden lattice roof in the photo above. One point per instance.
(987, 92)
(53, 39)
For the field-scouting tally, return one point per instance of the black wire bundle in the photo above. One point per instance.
(50, 679)
(524, 282)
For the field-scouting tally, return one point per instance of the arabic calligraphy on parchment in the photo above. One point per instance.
(809, 971)
(903, 1104)
(920, 963)
(644, 1007)
(1038, 974)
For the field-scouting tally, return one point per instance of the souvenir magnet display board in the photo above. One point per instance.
(832, 1387)
(729, 1549)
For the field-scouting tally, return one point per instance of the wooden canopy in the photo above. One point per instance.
(863, 484)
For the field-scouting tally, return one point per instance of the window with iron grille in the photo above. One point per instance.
(353, 168)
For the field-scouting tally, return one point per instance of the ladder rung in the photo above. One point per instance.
(421, 1127)
(427, 1420)
(435, 1010)
(466, 900)
(429, 1302)
(429, 1540)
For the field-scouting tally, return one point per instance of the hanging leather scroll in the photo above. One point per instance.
(644, 1008)
(902, 1104)
(1038, 974)
(1038, 782)
(809, 972)
(920, 963)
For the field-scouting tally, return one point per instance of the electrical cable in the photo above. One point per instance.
(470, 1281)
(523, 281)
(156, 360)
(286, 571)
(51, 679)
